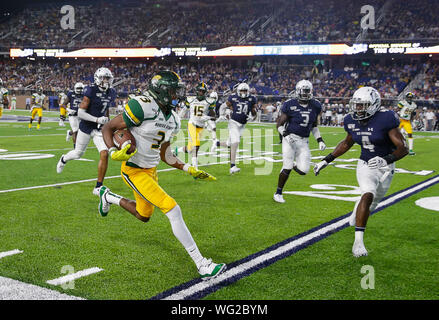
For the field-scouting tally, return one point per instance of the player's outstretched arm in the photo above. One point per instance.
(169, 158)
(342, 147)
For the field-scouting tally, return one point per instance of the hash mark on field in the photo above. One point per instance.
(74, 276)
(9, 253)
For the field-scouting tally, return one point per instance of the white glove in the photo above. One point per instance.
(322, 146)
(377, 163)
(250, 117)
(70, 111)
(102, 120)
(320, 166)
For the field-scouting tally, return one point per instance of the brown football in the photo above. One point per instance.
(122, 137)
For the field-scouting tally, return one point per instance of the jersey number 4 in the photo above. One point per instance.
(365, 141)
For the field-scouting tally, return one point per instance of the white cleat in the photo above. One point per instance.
(234, 169)
(104, 205)
(358, 249)
(60, 165)
(68, 135)
(209, 270)
(278, 198)
(96, 191)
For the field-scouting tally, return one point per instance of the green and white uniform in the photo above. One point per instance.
(150, 127)
(406, 109)
(38, 100)
(3, 93)
(199, 111)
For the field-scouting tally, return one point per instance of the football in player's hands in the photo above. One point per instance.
(122, 137)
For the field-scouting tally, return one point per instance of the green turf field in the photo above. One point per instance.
(53, 219)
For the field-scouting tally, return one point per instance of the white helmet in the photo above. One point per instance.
(365, 102)
(78, 88)
(214, 95)
(304, 90)
(243, 90)
(103, 78)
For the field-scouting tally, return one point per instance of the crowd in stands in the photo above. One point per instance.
(268, 78)
(137, 23)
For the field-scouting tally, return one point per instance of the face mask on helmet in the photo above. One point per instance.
(103, 79)
(304, 94)
(79, 88)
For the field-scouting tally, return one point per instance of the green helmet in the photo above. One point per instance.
(409, 96)
(167, 89)
(201, 90)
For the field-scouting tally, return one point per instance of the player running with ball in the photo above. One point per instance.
(153, 123)
(376, 130)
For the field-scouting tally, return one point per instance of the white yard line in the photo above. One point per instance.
(74, 276)
(9, 253)
(11, 289)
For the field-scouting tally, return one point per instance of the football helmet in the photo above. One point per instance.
(78, 88)
(243, 90)
(40, 89)
(304, 90)
(213, 95)
(365, 102)
(409, 96)
(103, 78)
(167, 89)
(201, 90)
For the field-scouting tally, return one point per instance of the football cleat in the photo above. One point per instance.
(278, 198)
(96, 191)
(60, 165)
(234, 169)
(358, 249)
(412, 153)
(68, 135)
(104, 205)
(209, 270)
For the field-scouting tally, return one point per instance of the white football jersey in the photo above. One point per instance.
(150, 127)
(38, 100)
(63, 100)
(406, 109)
(3, 92)
(199, 110)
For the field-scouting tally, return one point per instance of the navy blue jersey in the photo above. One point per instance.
(241, 107)
(301, 119)
(75, 100)
(373, 135)
(99, 103)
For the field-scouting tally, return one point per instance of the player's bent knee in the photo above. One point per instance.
(301, 171)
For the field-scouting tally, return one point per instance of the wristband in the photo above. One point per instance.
(329, 158)
(186, 167)
(319, 139)
(390, 158)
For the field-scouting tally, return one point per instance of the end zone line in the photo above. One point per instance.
(197, 288)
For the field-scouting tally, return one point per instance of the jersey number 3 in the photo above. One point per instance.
(161, 134)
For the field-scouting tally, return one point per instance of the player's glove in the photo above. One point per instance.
(320, 166)
(102, 120)
(70, 111)
(121, 155)
(377, 163)
(200, 174)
